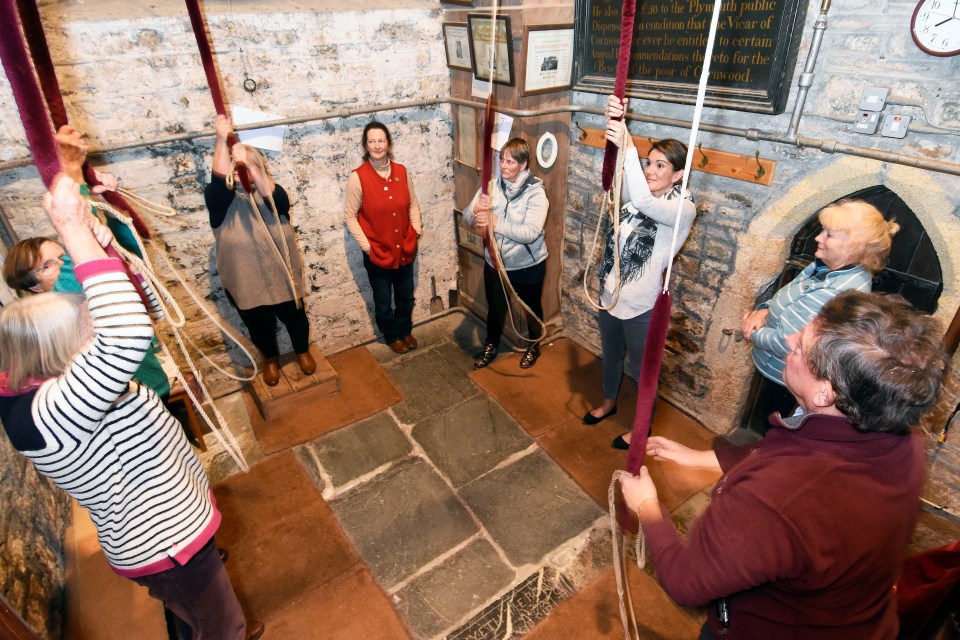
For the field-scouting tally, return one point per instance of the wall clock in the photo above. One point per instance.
(935, 27)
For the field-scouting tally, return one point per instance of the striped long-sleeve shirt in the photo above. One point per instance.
(108, 441)
(793, 306)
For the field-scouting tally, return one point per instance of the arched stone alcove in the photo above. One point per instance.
(762, 250)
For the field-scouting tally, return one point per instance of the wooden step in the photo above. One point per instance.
(294, 389)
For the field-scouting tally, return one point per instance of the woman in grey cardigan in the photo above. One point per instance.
(257, 254)
(515, 210)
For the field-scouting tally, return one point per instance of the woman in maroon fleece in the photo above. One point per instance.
(807, 529)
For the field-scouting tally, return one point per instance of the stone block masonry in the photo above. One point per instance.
(129, 77)
(130, 72)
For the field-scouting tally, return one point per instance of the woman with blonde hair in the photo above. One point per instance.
(257, 254)
(852, 247)
(69, 403)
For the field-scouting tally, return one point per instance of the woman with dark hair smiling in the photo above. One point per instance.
(382, 214)
(647, 218)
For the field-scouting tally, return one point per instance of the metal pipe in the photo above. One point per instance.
(806, 78)
(827, 146)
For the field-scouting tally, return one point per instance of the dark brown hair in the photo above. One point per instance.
(674, 150)
(19, 267)
(363, 141)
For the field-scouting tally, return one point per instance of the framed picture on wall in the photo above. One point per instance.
(548, 53)
(457, 41)
(467, 236)
(486, 38)
(467, 127)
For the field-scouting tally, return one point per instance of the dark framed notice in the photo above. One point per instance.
(753, 57)
(486, 37)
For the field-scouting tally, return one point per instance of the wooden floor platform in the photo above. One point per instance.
(294, 389)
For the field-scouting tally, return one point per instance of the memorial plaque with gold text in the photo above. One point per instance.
(753, 57)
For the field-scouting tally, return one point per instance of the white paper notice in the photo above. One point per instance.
(268, 138)
(501, 132)
(480, 89)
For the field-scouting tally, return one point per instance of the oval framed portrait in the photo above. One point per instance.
(547, 150)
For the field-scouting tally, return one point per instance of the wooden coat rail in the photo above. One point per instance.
(722, 163)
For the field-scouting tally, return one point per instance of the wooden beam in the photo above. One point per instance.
(722, 163)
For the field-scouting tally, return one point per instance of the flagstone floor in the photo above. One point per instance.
(474, 507)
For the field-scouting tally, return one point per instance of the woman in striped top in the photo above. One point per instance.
(69, 403)
(852, 247)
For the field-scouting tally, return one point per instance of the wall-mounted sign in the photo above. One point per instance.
(753, 58)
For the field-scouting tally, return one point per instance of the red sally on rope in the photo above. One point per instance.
(213, 81)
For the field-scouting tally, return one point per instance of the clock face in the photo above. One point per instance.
(935, 27)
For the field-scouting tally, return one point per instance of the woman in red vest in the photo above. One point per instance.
(382, 213)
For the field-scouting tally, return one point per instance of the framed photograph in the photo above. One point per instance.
(487, 38)
(457, 41)
(468, 149)
(548, 54)
(467, 236)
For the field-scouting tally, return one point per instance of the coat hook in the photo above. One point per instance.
(583, 134)
(760, 170)
(704, 160)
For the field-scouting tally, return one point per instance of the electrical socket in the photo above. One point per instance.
(895, 126)
(866, 122)
(873, 99)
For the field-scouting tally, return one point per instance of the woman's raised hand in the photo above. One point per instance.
(616, 107)
(108, 182)
(240, 154)
(64, 205)
(223, 126)
(617, 132)
(101, 232)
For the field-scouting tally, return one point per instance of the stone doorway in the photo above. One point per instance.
(913, 271)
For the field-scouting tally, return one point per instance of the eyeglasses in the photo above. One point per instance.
(49, 264)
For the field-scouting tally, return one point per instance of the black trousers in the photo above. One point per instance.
(528, 283)
(261, 324)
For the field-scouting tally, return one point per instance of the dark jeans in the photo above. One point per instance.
(528, 283)
(201, 597)
(261, 324)
(392, 299)
(616, 337)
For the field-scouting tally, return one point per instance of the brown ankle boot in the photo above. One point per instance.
(271, 372)
(307, 363)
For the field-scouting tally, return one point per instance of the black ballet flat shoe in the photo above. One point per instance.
(620, 443)
(485, 357)
(591, 419)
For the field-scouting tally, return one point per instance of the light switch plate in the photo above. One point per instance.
(873, 99)
(895, 126)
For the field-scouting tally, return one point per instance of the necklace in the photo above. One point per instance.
(385, 167)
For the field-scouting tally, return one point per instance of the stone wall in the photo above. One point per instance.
(743, 231)
(131, 78)
(34, 515)
(130, 72)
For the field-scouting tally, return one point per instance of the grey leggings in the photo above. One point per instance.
(617, 336)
